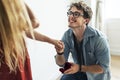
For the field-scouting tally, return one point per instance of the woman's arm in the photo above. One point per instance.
(34, 20)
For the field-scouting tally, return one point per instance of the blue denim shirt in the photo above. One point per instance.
(95, 51)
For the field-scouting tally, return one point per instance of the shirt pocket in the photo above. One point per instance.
(89, 51)
(90, 56)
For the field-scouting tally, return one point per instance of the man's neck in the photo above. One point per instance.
(79, 33)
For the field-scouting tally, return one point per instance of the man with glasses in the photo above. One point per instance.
(88, 46)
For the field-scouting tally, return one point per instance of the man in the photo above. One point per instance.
(88, 46)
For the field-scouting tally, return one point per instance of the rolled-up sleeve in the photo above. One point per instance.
(102, 53)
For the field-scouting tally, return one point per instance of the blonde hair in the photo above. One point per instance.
(14, 21)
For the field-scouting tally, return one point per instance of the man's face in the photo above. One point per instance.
(75, 18)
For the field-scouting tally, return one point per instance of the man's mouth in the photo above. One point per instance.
(72, 20)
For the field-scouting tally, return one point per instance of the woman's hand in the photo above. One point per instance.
(59, 46)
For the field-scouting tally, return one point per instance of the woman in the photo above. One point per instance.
(15, 23)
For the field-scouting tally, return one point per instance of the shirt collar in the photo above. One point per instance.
(89, 31)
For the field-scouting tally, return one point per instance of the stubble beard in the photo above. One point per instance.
(75, 27)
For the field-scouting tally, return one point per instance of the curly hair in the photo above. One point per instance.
(87, 11)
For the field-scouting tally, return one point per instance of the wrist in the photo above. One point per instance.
(60, 53)
(84, 68)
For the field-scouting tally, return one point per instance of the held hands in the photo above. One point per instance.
(59, 47)
(70, 68)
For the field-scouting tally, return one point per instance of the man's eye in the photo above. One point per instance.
(76, 14)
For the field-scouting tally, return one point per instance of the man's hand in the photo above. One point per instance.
(73, 69)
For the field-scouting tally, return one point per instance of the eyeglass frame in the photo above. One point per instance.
(74, 13)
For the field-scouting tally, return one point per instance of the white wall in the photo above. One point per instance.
(113, 25)
(113, 33)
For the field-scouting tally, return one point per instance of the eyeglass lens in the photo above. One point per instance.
(75, 14)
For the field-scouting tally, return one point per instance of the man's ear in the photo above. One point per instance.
(87, 21)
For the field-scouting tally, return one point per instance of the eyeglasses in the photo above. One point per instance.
(75, 14)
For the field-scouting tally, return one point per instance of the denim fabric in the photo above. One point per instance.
(95, 51)
(76, 76)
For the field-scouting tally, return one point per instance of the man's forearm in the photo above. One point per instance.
(60, 60)
(92, 69)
